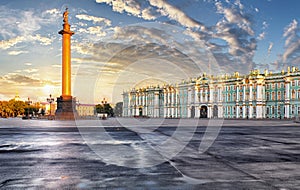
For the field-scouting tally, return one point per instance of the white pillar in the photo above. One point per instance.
(287, 99)
(244, 93)
(197, 111)
(220, 111)
(250, 111)
(196, 96)
(209, 112)
(237, 111)
(189, 97)
(172, 98)
(259, 112)
(259, 99)
(250, 93)
(211, 95)
(201, 95)
(244, 111)
(237, 93)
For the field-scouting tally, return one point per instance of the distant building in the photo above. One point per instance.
(49, 110)
(118, 110)
(256, 95)
(86, 110)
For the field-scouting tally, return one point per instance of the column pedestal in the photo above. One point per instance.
(66, 108)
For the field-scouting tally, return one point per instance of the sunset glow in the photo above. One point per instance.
(140, 40)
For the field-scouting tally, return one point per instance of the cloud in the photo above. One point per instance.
(94, 19)
(53, 12)
(176, 14)
(19, 79)
(16, 52)
(130, 6)
(233, 40)
(270, 48)
(292, 43)
(261, 36)
(290, 32)
(142, 10)
(28, 64)
(148, 14)
(18, 26)
(30, 70)
(235, 17)
(93, 30)
(6, 44)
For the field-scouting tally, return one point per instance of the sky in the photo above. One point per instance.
(119, 45)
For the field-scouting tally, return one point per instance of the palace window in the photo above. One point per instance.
(268, 110)
(279, 95)
(293, 109)
(273, 95)
(273, 110)
(293, 94)
(293, 83)
(298, 110)
(298, 94)
(268, 96)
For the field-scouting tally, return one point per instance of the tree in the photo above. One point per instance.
(105, 108)
(17, 107)
(13, 108)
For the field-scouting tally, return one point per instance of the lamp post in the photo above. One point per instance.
(103, 103)
(28, 103)
(50, 100)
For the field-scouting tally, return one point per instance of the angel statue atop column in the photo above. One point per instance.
(65, 15)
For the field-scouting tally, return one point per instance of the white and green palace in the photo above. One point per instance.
(256, 95)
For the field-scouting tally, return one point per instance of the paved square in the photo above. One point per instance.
(54, 155)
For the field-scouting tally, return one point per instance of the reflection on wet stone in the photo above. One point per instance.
(54, 155)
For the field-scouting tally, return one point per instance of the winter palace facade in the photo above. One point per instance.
(256, 95)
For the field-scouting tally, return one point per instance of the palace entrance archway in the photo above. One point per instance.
(215, 111)
(203, 112)
(140, 111)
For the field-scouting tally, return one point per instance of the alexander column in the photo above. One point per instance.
(66, 103)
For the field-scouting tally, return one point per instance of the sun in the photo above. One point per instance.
(48, 89)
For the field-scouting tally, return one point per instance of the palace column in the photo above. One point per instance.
(237, 108)
(287, 98)
(66, 103)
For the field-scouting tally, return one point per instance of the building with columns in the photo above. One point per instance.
(256, 95)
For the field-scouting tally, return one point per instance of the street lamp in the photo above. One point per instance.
(28, 103)
(103, 103)
(50, 100)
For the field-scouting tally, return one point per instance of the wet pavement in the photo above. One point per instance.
(159, 154)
